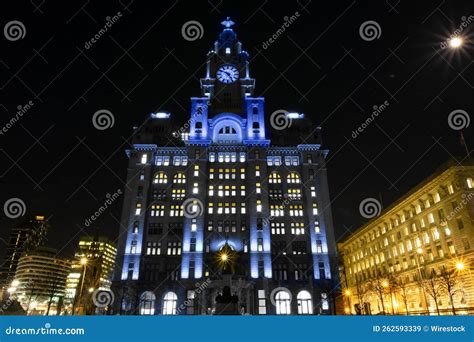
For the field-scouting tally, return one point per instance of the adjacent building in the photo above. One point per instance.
(24, 237)
(216, 212)
(91, 269)
(40, 281)
(417, 256)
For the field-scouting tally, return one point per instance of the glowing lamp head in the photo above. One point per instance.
(15, 283)
(347, 292)
(460, 266)
(385, 283)
(83, 261)
(224, 257)
(419, 250)
(455, 42)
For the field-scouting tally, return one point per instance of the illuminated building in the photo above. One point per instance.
(224, 185)
(24, 237)
(408, 248)
(40, 281)
(94, 262)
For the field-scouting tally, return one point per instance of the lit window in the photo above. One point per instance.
(259, 206)
(470, 183)
(430, 218)
(305, 304)
(160, 178)
(193, 225)
(138, 208)
(313, 191)
(242, 208)
(450, 189)
(242, 190)
(211, 190)
(262, 300)
(147, 303)
(274, 178)
(282, 301)
(195, 188)
(196, 170)
(144, 158)
(315, 209)
(242, 157)
(157, 210)
(293, 177)
(169, 303)
(179, 178)
(257, 171)
(447, 231)
(212, 157)
(210, 209)
(258, 189)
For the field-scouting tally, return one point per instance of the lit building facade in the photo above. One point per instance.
(407, 255)
(218, 183)
(24, 237)
(40, 281)
(94, 262)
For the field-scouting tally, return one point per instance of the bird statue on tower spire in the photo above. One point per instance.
(227, 23)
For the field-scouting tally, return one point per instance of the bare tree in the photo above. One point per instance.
(450, 282)
(378, 285)
(361, 295)
(402, 289)
(433, 287)
(53, 290)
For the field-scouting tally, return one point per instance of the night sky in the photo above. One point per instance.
(60, 165)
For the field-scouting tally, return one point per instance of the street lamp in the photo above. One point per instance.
(456, 42)
(460, 266)
(77, 300)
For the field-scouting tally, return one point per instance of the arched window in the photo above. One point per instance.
(179, 178)
(305, 304)
(274, 178)
(199, 124)
(147, 303)
(282, 301)
(160, 178)
(227, 130)
(293, 177)
(169, 303)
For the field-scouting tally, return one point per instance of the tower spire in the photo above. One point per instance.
(227, 23)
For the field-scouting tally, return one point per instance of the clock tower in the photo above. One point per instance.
(227, 82)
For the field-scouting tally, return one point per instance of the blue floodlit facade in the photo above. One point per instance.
(218, 181)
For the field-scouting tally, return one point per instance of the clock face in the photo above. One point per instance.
(227, 74)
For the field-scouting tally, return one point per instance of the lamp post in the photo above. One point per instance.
(77, 299)
(347, 294)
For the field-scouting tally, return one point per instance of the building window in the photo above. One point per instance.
(142, 175)
(315, 209)
(297, 228)
(260, 245)
(470, 183)
(157, 210)
(192, 247)
(296, 210)
(174, 248)
(274, 178)
(259, 206)
(160, 178)
(282, 301)
(293, 177)
(277, 228)
(179, 178)
(212, 157)
(144, 158)
(313, 191)
(196, 170)
(262, 303)
(138, 208)
(162, 161)
(305, 304)
(195, 188)
(242, 157)
(317, 229)
(147, 303)
(135, 227)
(180, 161)
(169, 303)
